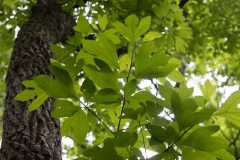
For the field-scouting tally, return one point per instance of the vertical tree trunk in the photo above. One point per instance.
(33, 135)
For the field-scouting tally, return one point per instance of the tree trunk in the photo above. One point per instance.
(33, 135)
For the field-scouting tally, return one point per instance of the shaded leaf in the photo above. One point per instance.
(108, 96)
(202, 139)
(102, 78)
(88, 88)
(64, 108)
(83, 26)
(76, 126)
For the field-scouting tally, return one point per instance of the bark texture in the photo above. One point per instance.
(33, 135)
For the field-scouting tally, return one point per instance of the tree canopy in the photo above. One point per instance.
(121, 81)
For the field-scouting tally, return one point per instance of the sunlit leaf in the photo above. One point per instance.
(230, 109)
(103, 21)
(151, 36)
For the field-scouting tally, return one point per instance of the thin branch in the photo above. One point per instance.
(178, 139)
(237, 137)
(124, 98)
(225, 136)
(234, 143)
(155, 86)
(166, 113)
(92, 112)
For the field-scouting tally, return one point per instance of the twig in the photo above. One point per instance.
(92, 112)
(225, 136)
(234, 143)
(124, 97)
(155, 86)
(178, 139)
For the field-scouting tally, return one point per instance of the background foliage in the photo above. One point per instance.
(122, 80)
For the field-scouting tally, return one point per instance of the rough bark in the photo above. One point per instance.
(33, 135)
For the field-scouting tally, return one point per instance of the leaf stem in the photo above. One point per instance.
(178, 139)
(124, 97)
(93, 113)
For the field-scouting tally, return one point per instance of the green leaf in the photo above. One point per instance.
(184, 92)
(224, 155)
(180, 44)
(108, 152)
(73, 67)
(102, 78)
(83, 26)
(156, 65)
(109, 53)
(208, 89)
(132, 21)
(130, 87)
(150, 36)
(157, 132)
(29, 83)
(131, 113)
(88, 88)
(143, 26)
(41, 98)
(104, 50)
(190, 154)
(144, 96)
(131, 32)
(30, 94)
(103, 21)
(230, 109)
(58, 51)
(62, 87)
(26, 95)
(62, 76)
(110, 34)
(64, 108)
(76, 126)
(108, 96)
(169, 154)
(123, 30)
(62, 51)
(91, 46)
(153, 109)
(124, 139)
(166, 92)
(125, 62)
(185, 112)
(176, 76)
(202, 139)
